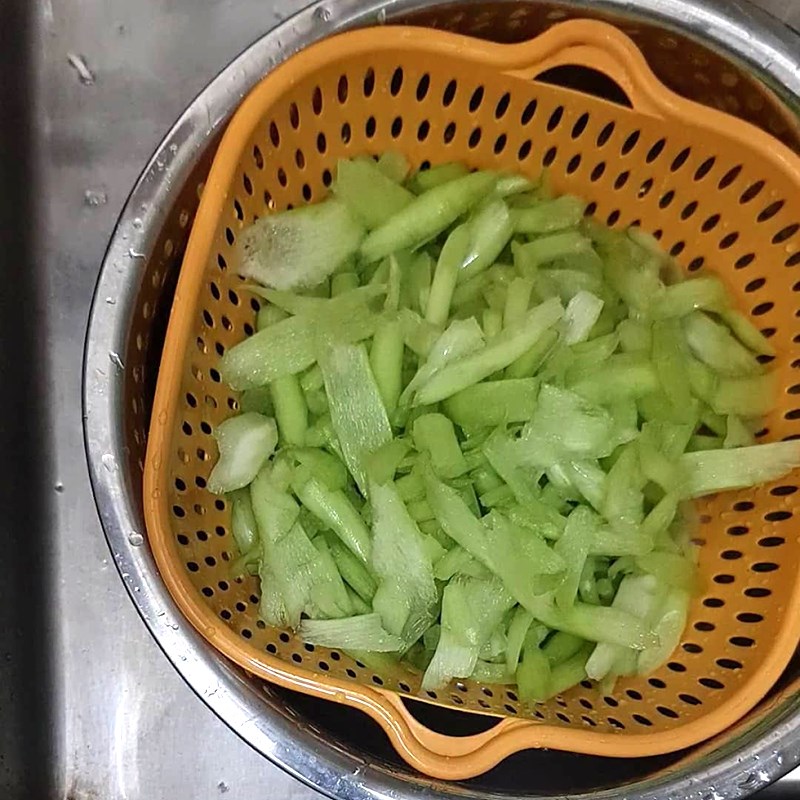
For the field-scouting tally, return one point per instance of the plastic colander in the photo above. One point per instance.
(719, 194)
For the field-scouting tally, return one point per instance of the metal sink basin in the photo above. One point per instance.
(90, 707)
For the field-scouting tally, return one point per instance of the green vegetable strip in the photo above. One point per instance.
(490, 230)
(517, 630)
(498, 354)
(682, 298)
(324, 466)
(343, 282)
(371, 196)
(573, 547)
(294, 344)
(291, 411)
(434, 434)
(547, 217)
(363, 632)
(427, 215)
(269, 315)
(386, 360)
(528, 364)
(747, 333)
(353, 572)
(533, 676)
(550, 248)
(245, 443)
(583, 311)
(334, 510)
(444, 279)
(394, 166)
(722, 470)
(407, 598)
(301, 247)
(561, 647)
(518, 299)
(715, 346)
(357, 410)
(428, 179)
(243, 522)
(493, 403)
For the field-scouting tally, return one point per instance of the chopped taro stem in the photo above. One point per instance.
(299, 248)
(469, 424)
(245, 443)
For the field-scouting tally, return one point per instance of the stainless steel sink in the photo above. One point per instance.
(90, 706)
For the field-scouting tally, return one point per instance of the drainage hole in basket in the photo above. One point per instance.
(346, 133)
(316, 101)
(580, 125)
(524, 149)
(574, 164)
(771, 210)
(728, 241)
(598, 172)
(705, 168)
(423, 130)
(237, 210)
(711, 683)
(765, 566)
(630, 143)
(729, 663)
(555, 119)
(690, 699)
(710, 223)
(642, 720)
(502, 106)
(656, 150)
(274, 134)
(691, 647)
(621, 180)
(500, 144)
(793, 260)
(550, 157)
(657, 683)
(696, 264)
(785, 233)
(423, 86)
(713, 602)
(749, 617)
(762, 308)
(680, 159)
(528, 112)
(449, 133)
(370, 127)
(342, 89)
(605, 134)
(751, 192)
(666, 200)
(294, 115)
(615, 723)
(397, 127)
(476, 99)
(667, 712)
(741, 641)
(729, 177)
(369, 82)
(449, 93)
(745, 261)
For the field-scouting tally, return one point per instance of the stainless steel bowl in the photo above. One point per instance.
(717, 51)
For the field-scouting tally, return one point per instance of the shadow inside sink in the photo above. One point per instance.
(26, 750)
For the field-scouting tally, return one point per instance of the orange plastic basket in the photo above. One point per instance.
(719, 194)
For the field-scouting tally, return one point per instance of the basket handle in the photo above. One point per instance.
(596, 46)
(450, 757)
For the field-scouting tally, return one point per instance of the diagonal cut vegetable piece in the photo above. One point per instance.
(356, 407)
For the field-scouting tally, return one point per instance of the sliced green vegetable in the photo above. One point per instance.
(299, 248)
(245, 443)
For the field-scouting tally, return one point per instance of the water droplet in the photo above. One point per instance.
(173, 148)
(109, 462)
(59, 487)
(137, 223)
(136, 539)
(95, 197)
(111, 301)
(134, 253)
(322, 13)
(116, 360)
(380, 17)
(223, 787)
(78, 63)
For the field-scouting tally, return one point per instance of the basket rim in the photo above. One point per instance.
(435, 754)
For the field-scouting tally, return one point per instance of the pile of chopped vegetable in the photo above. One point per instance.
(472, 420)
